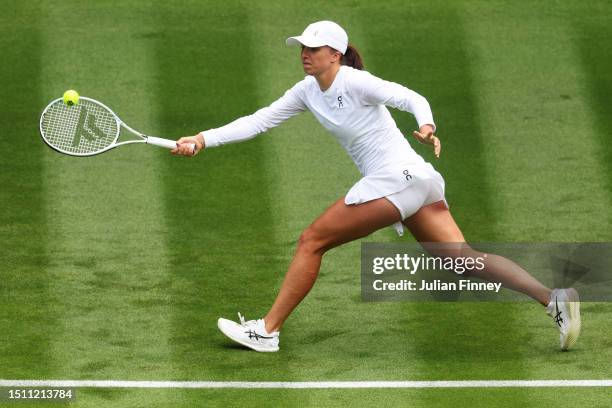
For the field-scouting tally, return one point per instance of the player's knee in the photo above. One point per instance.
(449, 249)
(311, 241)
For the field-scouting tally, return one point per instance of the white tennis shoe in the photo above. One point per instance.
(564, 308)
(251, 334)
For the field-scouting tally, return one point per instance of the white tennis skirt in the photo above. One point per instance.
(409, 188)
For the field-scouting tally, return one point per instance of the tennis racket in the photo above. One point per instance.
(88, 128)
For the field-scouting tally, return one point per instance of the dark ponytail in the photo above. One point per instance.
(352, 58)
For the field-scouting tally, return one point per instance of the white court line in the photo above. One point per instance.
(304, 384)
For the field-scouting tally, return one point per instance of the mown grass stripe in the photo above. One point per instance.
(25, 320)
(437, 64)
(548, 181)
(592, 38)
(108, 267)
(443, 338)
(308, 171)
(221, 235)
(541, 155)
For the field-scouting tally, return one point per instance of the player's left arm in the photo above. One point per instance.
(425, 135)
(376, 91)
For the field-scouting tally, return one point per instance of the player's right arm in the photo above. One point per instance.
(247, 127)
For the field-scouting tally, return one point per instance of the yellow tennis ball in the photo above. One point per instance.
(71, 97)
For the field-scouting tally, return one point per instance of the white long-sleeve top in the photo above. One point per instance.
(354, 110)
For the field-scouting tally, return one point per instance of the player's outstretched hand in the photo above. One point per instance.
(425, 135)
(184, 146)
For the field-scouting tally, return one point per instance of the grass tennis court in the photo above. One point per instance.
(116, 267)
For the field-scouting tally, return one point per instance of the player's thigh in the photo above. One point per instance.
(434, 224)
(343, 223)
(435, 228)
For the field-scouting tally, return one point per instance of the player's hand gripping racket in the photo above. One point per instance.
(88, 128)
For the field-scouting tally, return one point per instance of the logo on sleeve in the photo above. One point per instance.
(407, 174)
(340, 104)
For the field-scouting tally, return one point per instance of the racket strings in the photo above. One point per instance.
(85, 128)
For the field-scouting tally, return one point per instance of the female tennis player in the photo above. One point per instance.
(398, 187)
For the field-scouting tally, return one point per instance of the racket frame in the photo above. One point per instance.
(157, 141)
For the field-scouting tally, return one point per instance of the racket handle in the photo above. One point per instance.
(167, 143)
(158, 141)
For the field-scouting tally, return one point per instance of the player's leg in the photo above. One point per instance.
(434, 223)
(339, 224)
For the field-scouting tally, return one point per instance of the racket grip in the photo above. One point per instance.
(167, 143)
(158, 141)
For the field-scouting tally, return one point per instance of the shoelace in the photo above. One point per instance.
(245, 323)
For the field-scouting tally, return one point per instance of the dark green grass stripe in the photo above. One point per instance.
(593, 39)
(424, 47)
(24, 320)
(221, 229)
(593, 36)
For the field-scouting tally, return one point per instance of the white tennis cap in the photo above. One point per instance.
(322, 33)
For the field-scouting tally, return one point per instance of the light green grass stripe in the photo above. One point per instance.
(542, 157)
(295, 155)
(306, 168)
(307, 171)
(108, 262)
(289, 162)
